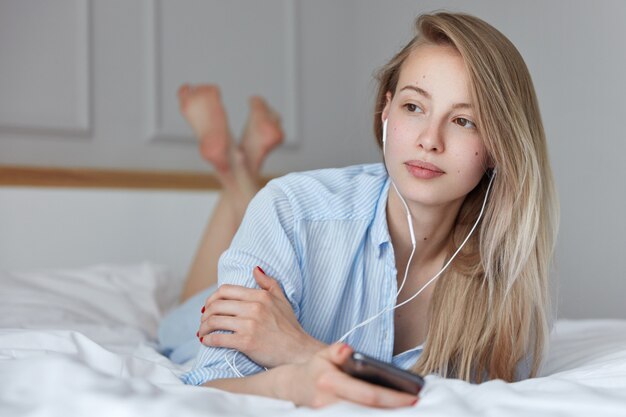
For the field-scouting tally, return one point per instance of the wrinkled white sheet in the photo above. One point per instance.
(64, 373)
(84, 367)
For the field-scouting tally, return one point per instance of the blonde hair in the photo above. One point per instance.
(490, 312)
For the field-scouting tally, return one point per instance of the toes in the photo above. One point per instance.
(262, 114)
(273, 136)
(275, 116)
(211, 90)
(265, 110)
(263, 131)
(256, 102)
(183, 95)
(259, 107)
(183, 91)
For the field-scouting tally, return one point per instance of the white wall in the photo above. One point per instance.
(97, 99)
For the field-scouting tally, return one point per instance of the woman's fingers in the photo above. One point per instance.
(234, 292)
(351, 389)
(324, 383)
(238, 340)
(243, 342)
(355, 390)
(236, 316)
(241, 293)
(214, 323)
(269, 287)
(233, 308)
(266, 282)
(223, 340)
(337, 353)
(232, 316)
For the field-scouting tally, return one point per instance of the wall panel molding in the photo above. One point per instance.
(37, 75)
(157, 129)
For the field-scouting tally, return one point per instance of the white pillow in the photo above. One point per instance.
(113, 297)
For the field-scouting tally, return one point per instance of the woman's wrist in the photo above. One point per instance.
(274, 383)
(309, 347)
(282, 378)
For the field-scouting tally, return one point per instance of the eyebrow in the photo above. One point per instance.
(428, 96)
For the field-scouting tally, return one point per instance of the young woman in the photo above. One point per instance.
(437, 260)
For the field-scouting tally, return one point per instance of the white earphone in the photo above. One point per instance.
(409, 218)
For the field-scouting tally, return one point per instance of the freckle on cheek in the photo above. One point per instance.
(476, 154)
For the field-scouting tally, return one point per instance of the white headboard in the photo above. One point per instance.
(68, 227)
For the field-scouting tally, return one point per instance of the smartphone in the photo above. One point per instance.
(381, 373)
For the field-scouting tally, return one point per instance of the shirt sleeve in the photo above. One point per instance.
(266, 239)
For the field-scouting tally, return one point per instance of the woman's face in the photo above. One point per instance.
(434, 152)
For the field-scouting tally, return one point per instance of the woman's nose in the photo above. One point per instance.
(430, 138)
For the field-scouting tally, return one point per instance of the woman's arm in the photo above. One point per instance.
(255, 320)
(316, 383)
(265, 238)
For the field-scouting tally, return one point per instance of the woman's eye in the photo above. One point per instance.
(412, 107)
(463, 122)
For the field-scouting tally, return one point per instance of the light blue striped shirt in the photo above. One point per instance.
(323, 235)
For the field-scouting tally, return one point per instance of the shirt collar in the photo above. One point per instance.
(380, 230)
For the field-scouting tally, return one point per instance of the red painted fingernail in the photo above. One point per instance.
(201, 339)
(260, 269)
(202, 311)
(198, 333)
(344, 348)
(415, 402)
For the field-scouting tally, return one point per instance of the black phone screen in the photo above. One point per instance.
(381, 373)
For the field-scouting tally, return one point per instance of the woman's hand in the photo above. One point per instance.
(263, 323)
(319, 382)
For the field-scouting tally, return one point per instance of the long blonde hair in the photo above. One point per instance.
(490, 312)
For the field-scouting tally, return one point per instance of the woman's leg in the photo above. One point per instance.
(237, 168)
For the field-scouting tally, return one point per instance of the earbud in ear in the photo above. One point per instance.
(384, 131)
(384, 136)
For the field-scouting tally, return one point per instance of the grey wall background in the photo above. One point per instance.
(91, 83)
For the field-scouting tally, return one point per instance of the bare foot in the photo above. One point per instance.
(202, 107)
(263, 132)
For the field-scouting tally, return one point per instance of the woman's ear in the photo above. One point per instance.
(385, 112)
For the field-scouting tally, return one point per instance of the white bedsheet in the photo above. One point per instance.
(53, 363)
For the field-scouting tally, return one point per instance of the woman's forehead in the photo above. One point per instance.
(435, 69)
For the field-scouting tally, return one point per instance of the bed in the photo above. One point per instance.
(80, 340)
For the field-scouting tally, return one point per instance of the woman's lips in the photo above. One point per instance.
(423, 170)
